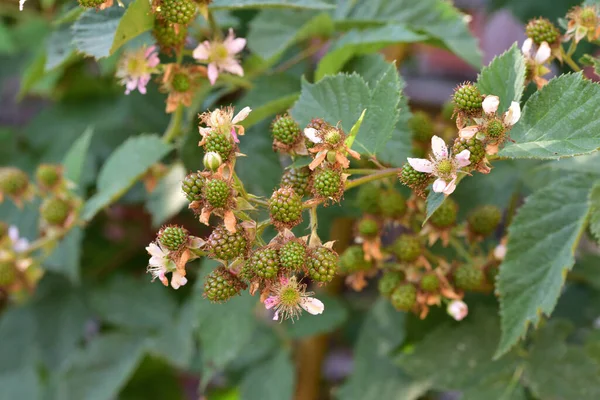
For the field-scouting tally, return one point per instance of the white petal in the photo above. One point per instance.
(312, 305)
(232, 66)
(276, 316)
(21, 4)
(241, 115)
(458, 309)
(468, 132)
(154, 250)
(213, 73)
(462, 158)
(20, 245)
(160, 262)
(490, 104)
(526, 48)
(439, 148)
(450, 187)
(513, 114)
(439, 185)
(421, 164)
(232, 44)
(500, 252)
(13, 233)
(543, 53)
(202, 52)
(311, 134)
(177, 280)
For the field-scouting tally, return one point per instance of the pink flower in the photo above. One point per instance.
(221, 56)
(457, 309)
(289, 298)
(442, 165)
(223, 121)
(136, 67)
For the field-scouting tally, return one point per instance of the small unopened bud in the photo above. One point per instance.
(55, 210)
(457, 309)
(212, 160)
(48, 176)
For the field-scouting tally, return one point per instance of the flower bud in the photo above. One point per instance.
(457, 309)
(55, 211)
(212, 160)
(48, 176)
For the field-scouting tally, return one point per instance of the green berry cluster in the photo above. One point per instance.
(412, 178)
(178, 11)
(542, 30)
(430, 283)
(389, 281)
(263, 263)
(327, 183)
(285, 130)
(181, 82)
(467, 98)
(13, 181)
(322, 264)
(285, 207)
(367, 198)
(421, 126)
(217, 192)
(192, 186)
(353, 260)
(225, 245)
(220, 144)
(469, 277)
(494, 129)
(221, 285)
(407, 248)
(168, 36)
(292, 256)
(48, 176)
(91, 3)
(55, 210)
(298, 179)
(484, 220)
(368, 227)
(404, 297)
(392, 204)
(173, 237)
(475, 147)
(446, 214)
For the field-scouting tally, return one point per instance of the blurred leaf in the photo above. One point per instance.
(153, 379)
(504, 77)
(526, 10)
(65, 258)
(595, 212)
(167, 199)
(123, 168)
(59, 47)
(375, 376)
(587, 270)
(437, 18)
(74, 160)
(434, 201)
(138, 18)
(541, 242)
(310, 325)
(557, 370)
(272, 379)
(7, 45)
(271, 32)
(558, 121)
(365, 41)
(94, 32)
(588, 164)
(103, 367)
(299, 4)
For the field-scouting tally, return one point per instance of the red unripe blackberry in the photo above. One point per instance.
(322, 264)
(264, 263)
(225, 245)
(221, 285)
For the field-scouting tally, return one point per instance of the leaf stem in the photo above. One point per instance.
(372, 177)
(567, 57)
(174, 128)
(364, 171)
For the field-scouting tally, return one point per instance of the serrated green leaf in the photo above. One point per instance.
(278, 371)
(138, 18)
(298, 4)
(342, 98)
(167, 199)
(595, 212)
(541, 242)
(273, 31)
(357, 42)
(434, 201)
(557, 370)
(375, 376)
(504, 77)
(123, 168)
(588, 164)
(74, 160)
(101, 369)
(558, 121)
(309, 325)
(94, 32)
(59, 47)
(441, 21)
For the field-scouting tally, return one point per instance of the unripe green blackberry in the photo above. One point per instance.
(430, 283)
(327, 183)
(368, 227)
(285, 130)
(48, 175)
(412, 178)
(353, 260)
(404, 297)
(13, 181)
(389, 281)
(445, 215)
(221, 285)
(542, 30)
(392, 204)
(298, 179)
(173, 237)
(217, 192)
(7, 272)
(484, 220)
(468, 277)
(218, 143)
(292, 256)
(285, 207)
(322, 264)
(181, 82)
(494, 129)
(192, 186)
(407, 248)
(264, 263)
(367, 199)
(225, 245)
(55, 210)
(178, 11)
(169, 36)
(467, 97)
(421, 126)
(91, 3)
(475, 147)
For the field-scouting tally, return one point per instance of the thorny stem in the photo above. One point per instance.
(174, 128)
